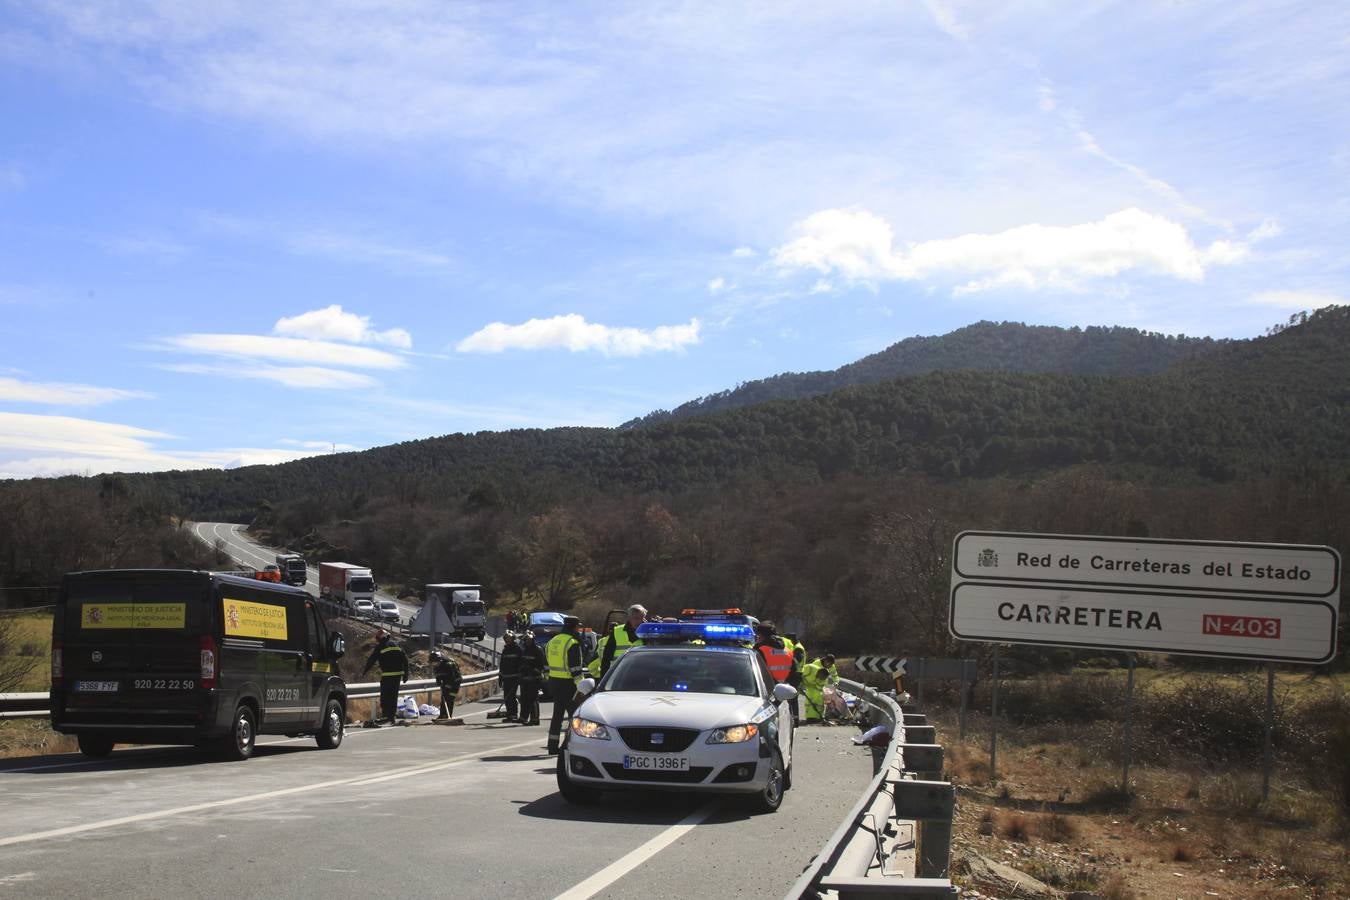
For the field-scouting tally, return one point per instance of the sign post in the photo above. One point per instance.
(993, 723)
(1263, 602)
(1129, 715)
(1270, 724)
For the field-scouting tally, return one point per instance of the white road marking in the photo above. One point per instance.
(625, 864)
(250, 798)
(15, 879)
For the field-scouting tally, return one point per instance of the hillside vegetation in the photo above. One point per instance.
(838, 508)
(984, 346)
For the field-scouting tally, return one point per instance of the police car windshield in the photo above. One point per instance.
(692, 672)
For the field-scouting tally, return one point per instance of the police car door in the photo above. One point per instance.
(782, 711)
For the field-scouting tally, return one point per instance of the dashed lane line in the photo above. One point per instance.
(352, 781)
(627, 863)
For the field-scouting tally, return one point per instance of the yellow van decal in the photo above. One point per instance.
(133, 615)
(256, 620)
(320, 667)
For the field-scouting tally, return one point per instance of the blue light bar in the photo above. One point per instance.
(690, 631)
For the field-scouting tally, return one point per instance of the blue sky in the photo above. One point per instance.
(245, 232)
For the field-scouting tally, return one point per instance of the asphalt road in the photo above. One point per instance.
(248, 552)
(469, 811)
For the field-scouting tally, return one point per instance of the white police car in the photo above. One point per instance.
(676, 715)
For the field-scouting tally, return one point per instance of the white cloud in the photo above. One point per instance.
(150, 245)
(16, 391)
(34, 446)
(317, 377)
(343, 246)
(945, 19)
(1268, 229)
(1156, 185)
(744, 253)
(860, 246)
(717, 285)
(333, 324)
(1297, 300)
(285, 349)
(572, 332)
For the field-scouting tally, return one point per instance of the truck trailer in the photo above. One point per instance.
(344, 584)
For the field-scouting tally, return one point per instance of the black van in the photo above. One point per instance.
(178, 657)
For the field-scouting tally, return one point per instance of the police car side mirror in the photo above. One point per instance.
(784, 692)
(585, 686)
(336, 646)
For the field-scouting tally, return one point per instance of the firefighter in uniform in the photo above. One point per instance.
(508, 672)
(565, 671)
(623, 637)
(393, 672)
(532, 669)
(449, 678)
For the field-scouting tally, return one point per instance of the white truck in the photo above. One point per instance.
(345, 584)
(465, 610)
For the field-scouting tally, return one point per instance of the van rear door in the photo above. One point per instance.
(131, 647)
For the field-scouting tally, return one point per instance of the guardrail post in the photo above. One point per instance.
(924, 759)
(930, 804)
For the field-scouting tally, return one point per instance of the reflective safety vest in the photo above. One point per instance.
(593, 667)
(558, 649)
(779, 660)
(392, 660)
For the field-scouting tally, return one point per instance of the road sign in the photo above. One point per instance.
(1267, 570)
(495, 626)
(1203, 598)
(888, 665)
(1264, 628)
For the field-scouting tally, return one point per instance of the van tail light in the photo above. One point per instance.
(209, 667)
(56, 664)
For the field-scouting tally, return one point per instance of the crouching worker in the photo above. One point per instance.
(449, 678)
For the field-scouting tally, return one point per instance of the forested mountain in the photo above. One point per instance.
(982, 347)
(838, 508)
(1252, 407)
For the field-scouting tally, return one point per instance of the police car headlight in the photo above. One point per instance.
(588, 729)
(736, 734)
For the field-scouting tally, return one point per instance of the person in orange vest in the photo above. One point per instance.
(775, 652)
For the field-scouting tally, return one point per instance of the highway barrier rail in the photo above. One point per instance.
(36, 705)
(864, 857)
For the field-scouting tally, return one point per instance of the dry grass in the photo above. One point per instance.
(1182, 854)
(966, 764)
(1116, 888)
(32, 737)
(1057, 828)
(1015, 826)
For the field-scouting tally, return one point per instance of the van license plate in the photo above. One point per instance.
(97, 687)
(655, 763)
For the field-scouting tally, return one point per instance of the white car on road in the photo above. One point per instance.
(674, 715)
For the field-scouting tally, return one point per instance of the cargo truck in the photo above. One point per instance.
(464, 608)
(346, 584)
(293, 571)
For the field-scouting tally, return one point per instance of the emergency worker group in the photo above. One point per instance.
(525, 670)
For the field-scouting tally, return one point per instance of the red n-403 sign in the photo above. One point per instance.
(1243, 626)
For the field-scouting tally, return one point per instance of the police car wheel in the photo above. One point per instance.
(95, 746)
(771, 796)
(243, 734)
(571, 791)
(329, 736)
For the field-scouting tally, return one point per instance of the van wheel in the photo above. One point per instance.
(329, 735)
(95, 746)
(243, 735)
(771, 797)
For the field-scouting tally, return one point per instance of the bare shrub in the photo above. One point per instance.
(1015, 826)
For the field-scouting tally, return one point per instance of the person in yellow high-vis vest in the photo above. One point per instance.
(623, 638)
(565, 671)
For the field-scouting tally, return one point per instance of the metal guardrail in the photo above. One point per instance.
(853, 862)
(35, 705)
